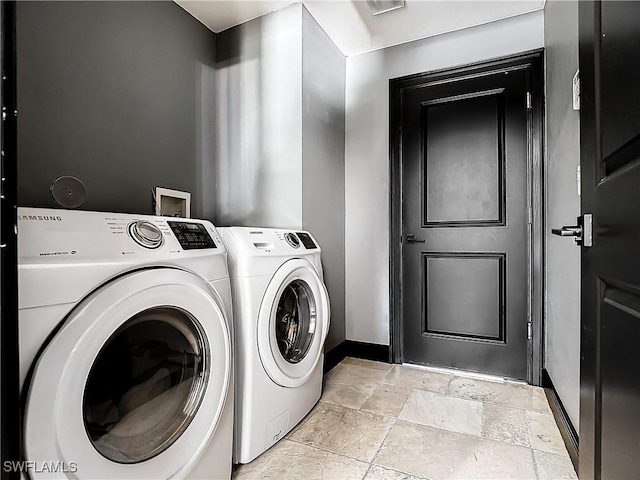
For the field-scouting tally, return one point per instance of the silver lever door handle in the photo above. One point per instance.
(583, 231)
(568, 231)
(411, 238)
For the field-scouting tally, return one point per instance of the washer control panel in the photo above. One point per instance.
(145, 234)
(57, 236)
(306, 240)
(292, 239)
(191, 235)
(296, 240)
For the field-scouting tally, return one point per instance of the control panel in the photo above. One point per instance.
(191, 236)
(78, 236)
(306, 240)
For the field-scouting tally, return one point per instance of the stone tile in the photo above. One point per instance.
(350, 374)
(540, 402)
(361, 362)
(343, 430)
(544, 433)
(289, 460)
(351, 396)
(502, 413)
(438, 454)
(553, 467)
(418, 378)
(387, 400)
(507, 393)
(506, 432)
(440, 411)
(377, 472)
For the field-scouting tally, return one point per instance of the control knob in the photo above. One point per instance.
(145, 234)
(292, 240)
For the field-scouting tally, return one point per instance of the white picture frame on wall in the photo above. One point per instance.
(172, 203)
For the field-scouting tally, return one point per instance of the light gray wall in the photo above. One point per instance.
(119, 95)
(562, 352)
(259, 125)
(367, 152)
(280, 136)
(323, 140)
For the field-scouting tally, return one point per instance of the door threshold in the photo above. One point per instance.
(466, 373)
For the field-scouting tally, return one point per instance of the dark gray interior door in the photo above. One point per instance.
(465, 223)
(610, 165)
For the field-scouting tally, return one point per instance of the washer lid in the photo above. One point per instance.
(293, 322)
(134, 383)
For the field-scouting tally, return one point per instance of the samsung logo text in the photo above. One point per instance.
(40, 218)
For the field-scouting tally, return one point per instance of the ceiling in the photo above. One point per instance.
(354, 30)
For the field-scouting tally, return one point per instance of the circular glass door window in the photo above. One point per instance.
(295, 321)
(146, 385)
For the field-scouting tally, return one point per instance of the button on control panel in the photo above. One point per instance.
(191, 236)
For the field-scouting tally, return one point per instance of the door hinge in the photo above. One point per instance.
(529, 101)
(529, 331)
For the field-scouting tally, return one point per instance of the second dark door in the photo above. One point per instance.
(610, 307)
(465, 222)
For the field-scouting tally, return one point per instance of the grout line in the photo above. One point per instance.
(368, 470)
(401, 472)
(369, 396)
(535, 465)
(355, 409)
(327, 450)
(405, 402)
(331, 451)
(384, 440)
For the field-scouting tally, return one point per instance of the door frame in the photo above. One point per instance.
(533, 62)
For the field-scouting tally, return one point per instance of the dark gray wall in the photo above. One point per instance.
(119, 94)
(562, 352)
(323, 141)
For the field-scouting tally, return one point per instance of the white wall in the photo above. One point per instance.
(562, 349)
(323, 121)
(258, 122)
(367, 152)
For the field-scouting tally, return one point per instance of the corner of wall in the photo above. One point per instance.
(562, 203)
(323, 142)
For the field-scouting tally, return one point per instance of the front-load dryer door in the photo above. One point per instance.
(133, 383)
(293, 322)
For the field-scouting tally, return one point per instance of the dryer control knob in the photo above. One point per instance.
(292, 240)
(145, 234)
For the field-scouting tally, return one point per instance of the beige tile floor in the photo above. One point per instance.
(390, 422)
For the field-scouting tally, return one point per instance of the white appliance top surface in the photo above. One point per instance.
(269, 242)
(52, 236)
(65, 254)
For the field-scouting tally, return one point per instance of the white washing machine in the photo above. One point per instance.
(125, 346)
(281, 310)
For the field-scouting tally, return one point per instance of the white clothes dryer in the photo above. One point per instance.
(125, 346)
(281, 309)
